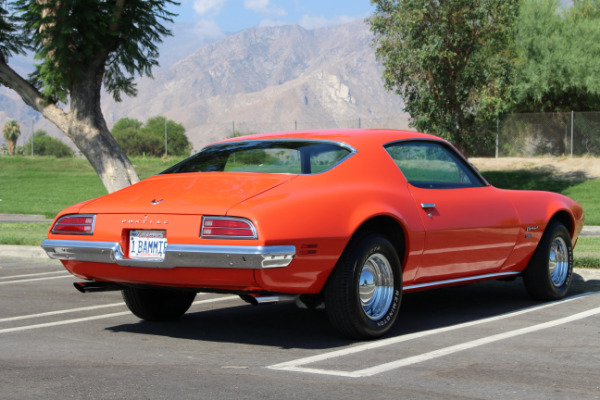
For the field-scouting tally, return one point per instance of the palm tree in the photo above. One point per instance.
(12, 131)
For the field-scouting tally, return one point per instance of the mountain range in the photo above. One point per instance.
(260, 79)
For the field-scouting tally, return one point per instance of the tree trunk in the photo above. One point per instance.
(92, 137)
(84, 125)
(10, 144)
(88, 130)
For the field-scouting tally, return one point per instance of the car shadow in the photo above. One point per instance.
(541, 178)
(285, 326)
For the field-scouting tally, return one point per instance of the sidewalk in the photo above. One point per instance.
(14, 251)
(23, 218)
(590, 231)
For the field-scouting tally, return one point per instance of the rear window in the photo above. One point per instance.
(269, 156)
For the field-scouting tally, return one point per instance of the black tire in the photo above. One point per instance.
(369, 309)
(157, 304)
(549, 274)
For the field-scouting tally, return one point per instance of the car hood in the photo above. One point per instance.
(188, 193)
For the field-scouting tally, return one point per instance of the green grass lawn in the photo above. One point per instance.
(587, 252)
(46, 185)
(586, 193)
(27, 234)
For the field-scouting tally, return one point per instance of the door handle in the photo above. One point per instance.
(427, 207)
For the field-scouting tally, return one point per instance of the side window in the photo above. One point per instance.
(428, 164)
(324, 156)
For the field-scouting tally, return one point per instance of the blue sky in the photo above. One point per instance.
(216, 17)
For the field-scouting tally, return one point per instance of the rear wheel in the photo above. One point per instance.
(363, 293)
(157, 304)
(550, 271)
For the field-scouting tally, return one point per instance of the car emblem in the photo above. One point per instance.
(155, 202)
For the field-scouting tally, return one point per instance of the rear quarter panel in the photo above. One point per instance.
(320, 213)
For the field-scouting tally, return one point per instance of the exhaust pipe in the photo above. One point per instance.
(274, 299)
(91, 287)
(256, 300)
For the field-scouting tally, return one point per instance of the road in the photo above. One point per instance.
(484, 341)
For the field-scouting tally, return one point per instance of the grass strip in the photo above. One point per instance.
(46, 185)
(27, 234)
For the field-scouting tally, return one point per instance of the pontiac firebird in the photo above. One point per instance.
(349, 218)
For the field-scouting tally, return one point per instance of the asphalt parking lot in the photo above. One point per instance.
(484, 341)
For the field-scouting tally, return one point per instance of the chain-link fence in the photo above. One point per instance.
(393, 122)
(548, 134)
(512, 135)
(516, 135)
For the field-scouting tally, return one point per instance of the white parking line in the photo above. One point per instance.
(296, 365)
(89, 308)
(474, 343)
(92, 318)
(58, 312)
(65, 322)
(36, 279)
(2, 278)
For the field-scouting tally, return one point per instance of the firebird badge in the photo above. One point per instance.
(156, 202)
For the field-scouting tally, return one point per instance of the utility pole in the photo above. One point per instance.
(572, 126)
(497, 134)
(32, 135)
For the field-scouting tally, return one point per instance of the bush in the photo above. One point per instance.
(44, 145)
(138, 139)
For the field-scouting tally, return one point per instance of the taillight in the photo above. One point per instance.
(227, 228)
(76, 224)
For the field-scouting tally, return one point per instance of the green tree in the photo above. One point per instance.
(11, 131)
(44, 145)
(149, 139)
(558, 57)
(81, 47)
(451, 61)
(12, 40)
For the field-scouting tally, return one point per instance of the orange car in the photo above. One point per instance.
(351, 218)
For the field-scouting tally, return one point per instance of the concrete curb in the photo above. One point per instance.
(590, 231)
(15, 251)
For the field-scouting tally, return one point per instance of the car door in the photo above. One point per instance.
(470, 226)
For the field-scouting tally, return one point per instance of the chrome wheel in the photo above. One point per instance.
(376, 286)
(364, 291)
(558, 262)
(549, 274)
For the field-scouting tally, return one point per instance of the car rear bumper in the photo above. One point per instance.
(176, 255)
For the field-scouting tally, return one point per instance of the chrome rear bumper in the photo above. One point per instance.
(176, 255)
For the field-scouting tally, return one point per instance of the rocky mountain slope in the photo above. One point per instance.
(268, 79)
(265, 79)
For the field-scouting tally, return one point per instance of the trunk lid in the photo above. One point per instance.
(211, 193)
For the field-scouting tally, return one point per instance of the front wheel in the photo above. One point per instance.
(363, 293)
(549, 274)
(157, 304)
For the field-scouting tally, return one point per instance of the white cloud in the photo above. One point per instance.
(312, 22)
(256, 5)
(272, 22)
(209, 29)
(203, 7)
(264, 7)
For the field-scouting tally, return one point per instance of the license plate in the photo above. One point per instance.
(147, 245)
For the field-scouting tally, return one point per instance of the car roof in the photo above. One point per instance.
(353, 137)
